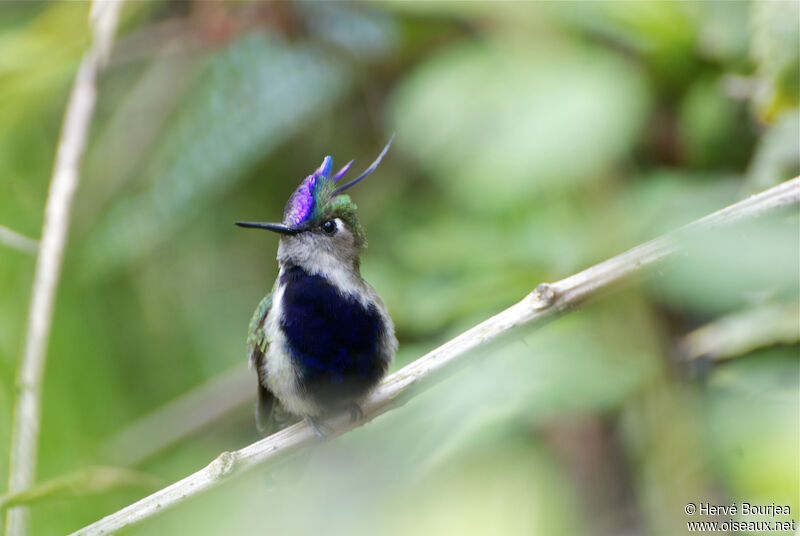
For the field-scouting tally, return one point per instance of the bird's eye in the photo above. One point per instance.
(329, 227)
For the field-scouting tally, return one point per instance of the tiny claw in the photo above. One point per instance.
(356, 413)
(320, 427)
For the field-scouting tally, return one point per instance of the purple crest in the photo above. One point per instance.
(341, 172)
(301, 203)
(325, 168)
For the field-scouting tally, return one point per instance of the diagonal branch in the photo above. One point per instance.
(71, 145)
(542, 305)
(17, 241)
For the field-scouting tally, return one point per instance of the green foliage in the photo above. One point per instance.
(776, 49)
(532, 140)
(533, 109)
(752, 454)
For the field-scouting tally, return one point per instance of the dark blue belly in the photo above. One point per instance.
(333, 339)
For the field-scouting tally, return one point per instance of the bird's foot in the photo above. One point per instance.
(356, 413)
(319, 426)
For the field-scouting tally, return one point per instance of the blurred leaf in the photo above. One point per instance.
(735, 267)
(508, 485)
(664, 34)
(775, 47)
(361, 30)
(723, 33)
(777, 157)
(752, 426)
(37, 58)
(714, 129)
(744, 331)
(539, 118)
(664, 200)
(255, 95)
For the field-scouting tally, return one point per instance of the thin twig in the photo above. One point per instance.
(71, 145)
(17, 241)
(86, 481)
(539, 307)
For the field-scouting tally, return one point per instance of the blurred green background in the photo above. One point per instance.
(533, 140)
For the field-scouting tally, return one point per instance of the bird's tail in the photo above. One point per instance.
(270, 415)
(264, 409)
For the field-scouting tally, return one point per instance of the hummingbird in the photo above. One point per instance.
(322, 339)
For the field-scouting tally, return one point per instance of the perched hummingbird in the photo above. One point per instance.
(322, 339)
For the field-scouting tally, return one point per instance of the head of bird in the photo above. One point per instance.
(320, 228)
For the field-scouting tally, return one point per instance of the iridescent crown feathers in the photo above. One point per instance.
(318, 198)
(320, 189)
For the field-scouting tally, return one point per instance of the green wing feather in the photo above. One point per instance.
(257, 342)
(257, 345)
